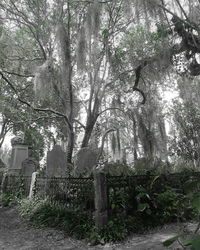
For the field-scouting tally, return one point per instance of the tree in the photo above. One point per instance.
(42, 26)
(186, 144)
(100, 47)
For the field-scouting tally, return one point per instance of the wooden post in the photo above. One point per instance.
(101, 200)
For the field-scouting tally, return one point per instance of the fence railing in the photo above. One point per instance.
(19, 185)
(73, 192)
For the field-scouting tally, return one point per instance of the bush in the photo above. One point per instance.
(145, 206)
(8, 199)
(174, 206)
(50, 213)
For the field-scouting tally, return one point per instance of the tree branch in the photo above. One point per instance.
(102, 143)
(100, 113)
(35, 108)
(180, 6)
(81, 124)
(16, 74)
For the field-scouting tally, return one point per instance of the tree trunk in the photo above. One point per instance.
(70, 147)
(88, 131)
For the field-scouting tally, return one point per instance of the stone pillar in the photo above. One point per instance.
(33, 185)
(101, 200)
(19, 154)
(4, 183)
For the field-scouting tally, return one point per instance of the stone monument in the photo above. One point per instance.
(29, 166)
(18, 155)
(56, 162)
(85, 160)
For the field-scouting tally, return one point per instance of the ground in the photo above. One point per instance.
(17, 234)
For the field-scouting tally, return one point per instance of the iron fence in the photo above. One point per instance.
(76, 193)
(79, 193)
(122, 190)
(18, 185)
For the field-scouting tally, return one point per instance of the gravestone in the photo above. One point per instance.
(56, 162)
(85, 160)
(29, 166)
(18, 155)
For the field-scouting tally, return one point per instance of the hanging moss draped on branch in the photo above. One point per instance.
(81, 50)
(43, 80)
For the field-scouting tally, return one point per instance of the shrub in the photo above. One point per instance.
(8, 199)
(50, 213)
(186, 238)
(174, 206)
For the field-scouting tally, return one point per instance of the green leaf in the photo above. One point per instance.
(140, 195)
(190, 186)
(105, 32)
(154, 180)
(142, 206)
(113, 206)
(195, 242)
(170, 241)
(196, 203)
(149, 211)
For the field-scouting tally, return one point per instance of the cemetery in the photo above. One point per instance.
(136, 200)
(99, 124)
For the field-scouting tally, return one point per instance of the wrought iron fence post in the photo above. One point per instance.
(101, 200)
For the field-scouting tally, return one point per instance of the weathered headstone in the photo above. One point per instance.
(19, 154)
(85, 160)
(56, 162)
(29, 166)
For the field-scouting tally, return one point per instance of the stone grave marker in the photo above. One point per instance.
(29, 166)
(18, 155)
(85, 160)
(56, 162)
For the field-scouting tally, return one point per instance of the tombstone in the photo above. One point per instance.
(56, 162)
(29, 166)
(85, 161)
(18, 155)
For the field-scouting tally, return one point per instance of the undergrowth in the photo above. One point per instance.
(50, 213)
(136, 210)
(45, 212)
(8, 199)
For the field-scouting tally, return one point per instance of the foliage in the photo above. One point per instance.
(134, 209)
(151, 204)
(187, 121)
(191, 239)
(117, 169)
(33, 137)
(8, 199)
(151, 165)
(50, 213)
(175, 206)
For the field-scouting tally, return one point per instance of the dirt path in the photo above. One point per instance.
(16, 234)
